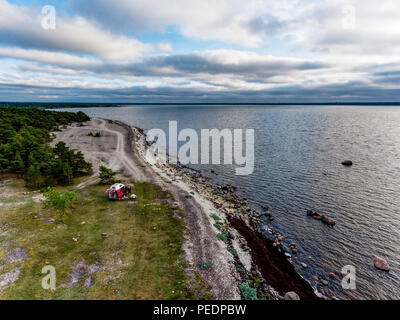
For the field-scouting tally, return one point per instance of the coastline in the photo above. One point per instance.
(255, 256)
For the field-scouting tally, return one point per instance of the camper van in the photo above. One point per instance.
(118, 191)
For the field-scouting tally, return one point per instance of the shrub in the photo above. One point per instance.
(205, 266)
(233, 251)
(248, 292)
(222, 237)
(215, 217)
(106, 175)
(58, 201)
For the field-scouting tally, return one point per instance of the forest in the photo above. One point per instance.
(25, 134)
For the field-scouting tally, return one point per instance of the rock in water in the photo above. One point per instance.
(328, 221)
(291, 296)
(381, 264)
(347, 163)
(311, 213)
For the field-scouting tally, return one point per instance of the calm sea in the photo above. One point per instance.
(298, 155)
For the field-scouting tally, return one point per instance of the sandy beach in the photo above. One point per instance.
(125, 150)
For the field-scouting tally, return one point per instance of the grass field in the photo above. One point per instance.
(101, 250)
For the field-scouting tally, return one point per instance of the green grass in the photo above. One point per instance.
(143, 234)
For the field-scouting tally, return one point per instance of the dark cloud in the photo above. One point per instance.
(268, 25)
(351, 92)
(187, 65)
(193, 63)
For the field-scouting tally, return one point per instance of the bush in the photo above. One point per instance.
(96, 135)
(205, 266)
(215, 217)
(107, 176)
(60, 202)
(248, 292)
(222, 237)
(233, 251)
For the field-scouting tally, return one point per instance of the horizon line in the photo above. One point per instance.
(383, 103)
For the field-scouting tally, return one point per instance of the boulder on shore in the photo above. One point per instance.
(347, 163)
(381, 264)
(291, 296)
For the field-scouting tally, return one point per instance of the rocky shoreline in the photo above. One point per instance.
(270, 261)
(268, 253)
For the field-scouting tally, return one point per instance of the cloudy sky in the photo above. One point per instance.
(200, 50)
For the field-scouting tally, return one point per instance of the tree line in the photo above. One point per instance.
(25, 134)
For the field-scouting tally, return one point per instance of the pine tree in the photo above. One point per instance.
(34, 177)
(106, 175)
(66, 177)
(18, 165)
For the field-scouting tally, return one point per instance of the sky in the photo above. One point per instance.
(229, 51)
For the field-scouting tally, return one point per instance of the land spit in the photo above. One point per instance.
(218, 234)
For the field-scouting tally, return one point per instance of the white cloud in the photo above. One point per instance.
(223, 20)
(93, 45)
(21, 26)
(164, 46)
(49, 57)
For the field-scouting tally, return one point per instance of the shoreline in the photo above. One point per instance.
(243, 255)
(273, 265)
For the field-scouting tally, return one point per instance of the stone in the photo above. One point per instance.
(16, 255)
(304, 265)
(328, 221)
(324, 282)
(310, 213)
(89, 282)
(381, 264)
(332, 274)
(315, 278)
(347, 163)
(9, 278)
(291, 296)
